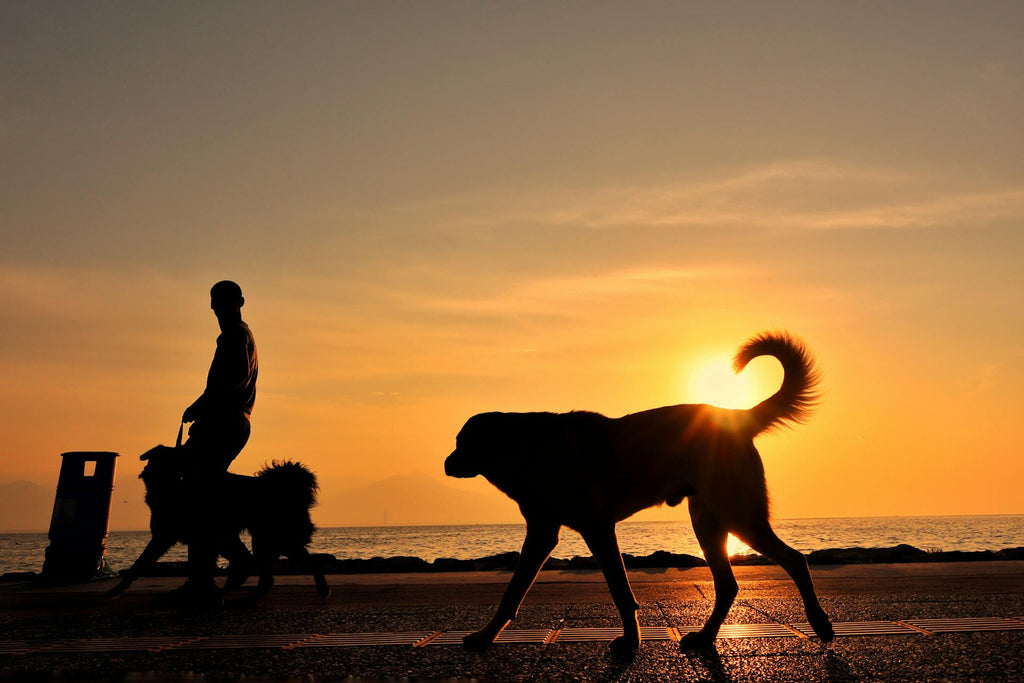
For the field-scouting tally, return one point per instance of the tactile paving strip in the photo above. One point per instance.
(364, 639)
(967, 624)
(127, 644)
(538, 636)
(861, 628)
(509, 636)
(658, 633)
(17, 647)
(588, 635)
(241, 642)
(584, 635)
(446, 638)
(756, 631)
(524, 636)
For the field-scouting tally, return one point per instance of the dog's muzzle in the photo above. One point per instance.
(458, 465)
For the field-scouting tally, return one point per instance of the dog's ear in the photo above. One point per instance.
(155, 450)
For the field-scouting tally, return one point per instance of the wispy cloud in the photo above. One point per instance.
(795, 195)
(556, 295)
(977, 208)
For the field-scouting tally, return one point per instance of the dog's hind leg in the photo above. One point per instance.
(760, 536)
(605, 546)
(541, 539)
(712, 537)
(155, 549)
(264, 554)
(239, 559)
(323, 589)
(302, 555)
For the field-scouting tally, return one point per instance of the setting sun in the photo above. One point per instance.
(713, 381)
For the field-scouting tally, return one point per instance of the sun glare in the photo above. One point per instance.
(735, 546)
(713, 382)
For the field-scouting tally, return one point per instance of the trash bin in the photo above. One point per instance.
(81, 516)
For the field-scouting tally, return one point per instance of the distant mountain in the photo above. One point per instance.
(416, 498)
(25, 506)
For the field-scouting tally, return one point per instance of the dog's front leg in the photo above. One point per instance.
(605, 546)
(155, 549)
(541, 539)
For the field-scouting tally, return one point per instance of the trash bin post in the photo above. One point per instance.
(81, 516)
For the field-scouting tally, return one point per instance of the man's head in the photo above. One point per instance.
(226, 298)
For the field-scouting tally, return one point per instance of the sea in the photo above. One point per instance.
(21, 552)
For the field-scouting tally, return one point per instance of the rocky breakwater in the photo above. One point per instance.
(657, 560)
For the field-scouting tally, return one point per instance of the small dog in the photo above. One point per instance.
(273, 505)
(588, 472)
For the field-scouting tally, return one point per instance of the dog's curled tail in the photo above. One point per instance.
(793, 402)
(291, 481)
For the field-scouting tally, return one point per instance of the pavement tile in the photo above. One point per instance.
(988, 656)
(373, 605)
(807, 666)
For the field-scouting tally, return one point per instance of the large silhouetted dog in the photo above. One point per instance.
(588, 472)
(273, 505)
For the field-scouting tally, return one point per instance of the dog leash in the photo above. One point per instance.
(155, 449)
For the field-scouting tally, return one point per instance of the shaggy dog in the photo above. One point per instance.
(588, 472)
(273, 505)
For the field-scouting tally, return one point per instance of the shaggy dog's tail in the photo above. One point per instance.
(292, 483)
(793, 402)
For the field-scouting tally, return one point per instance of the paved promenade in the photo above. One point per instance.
(951, 621)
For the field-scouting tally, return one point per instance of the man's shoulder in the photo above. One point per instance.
(235, 333)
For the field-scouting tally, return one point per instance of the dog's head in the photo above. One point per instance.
(163, 467)
(474, 447)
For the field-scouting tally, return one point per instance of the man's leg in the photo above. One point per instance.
(210, 449)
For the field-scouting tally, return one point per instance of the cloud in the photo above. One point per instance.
(997, 76)
(783, 196)
(556, 295)
(978, 208)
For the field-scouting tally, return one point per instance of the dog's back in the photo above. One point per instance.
(670, 453)
(288, 490)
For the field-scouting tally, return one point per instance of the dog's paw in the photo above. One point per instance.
(823, 628)
(624, 646)
(481, 640)
(697, 640)
(324, 592)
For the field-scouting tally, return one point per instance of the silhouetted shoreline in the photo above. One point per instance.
(898, 554)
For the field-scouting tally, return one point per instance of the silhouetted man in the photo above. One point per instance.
(219, 430)
(220, 417)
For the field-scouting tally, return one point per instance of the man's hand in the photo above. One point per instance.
(190, 413)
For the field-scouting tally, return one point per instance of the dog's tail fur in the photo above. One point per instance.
(292, 482)
(793, 402)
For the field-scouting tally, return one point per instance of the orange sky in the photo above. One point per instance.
(440, 209)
